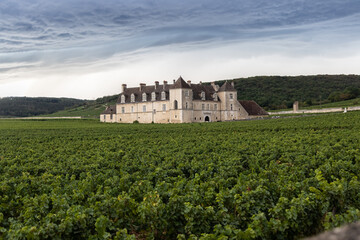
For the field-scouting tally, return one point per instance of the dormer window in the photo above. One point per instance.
(153, 96)
(122, 99)
(132, 98)
(231, 96)
(215, 97)
(202, 95)
(144, 97)
(163, 96)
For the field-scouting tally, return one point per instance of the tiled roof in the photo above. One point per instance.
(145, 89)
(110, 110)
(180, 83)
(227, 87)
(198, 88)
(253, 108)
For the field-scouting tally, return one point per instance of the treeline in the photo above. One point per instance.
(270, 92)
(279, 92)
(107, 99)
(27, 106)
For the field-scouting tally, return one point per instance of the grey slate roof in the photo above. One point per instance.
(198, 88)
(252, 108)
(180, 83)
(145, 89)
(110, 110)
(227, 87)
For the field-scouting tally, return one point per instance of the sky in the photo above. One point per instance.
(89, 48)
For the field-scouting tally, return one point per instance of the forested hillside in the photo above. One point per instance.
(276, 92)
(270, 92)
(26, 106)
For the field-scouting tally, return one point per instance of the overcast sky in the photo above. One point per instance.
(88, 48)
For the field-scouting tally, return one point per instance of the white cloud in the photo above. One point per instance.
(87, 48)
(198, 63)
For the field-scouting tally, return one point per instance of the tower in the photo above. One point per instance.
(228, 97)
(180, 102)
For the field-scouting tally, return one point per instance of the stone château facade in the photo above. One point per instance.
(180, 102)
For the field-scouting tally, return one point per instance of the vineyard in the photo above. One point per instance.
(269, 179)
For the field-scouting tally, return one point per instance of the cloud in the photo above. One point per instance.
(30, 22)
(41, 39)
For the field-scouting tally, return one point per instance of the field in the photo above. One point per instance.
(91, 111)
(269, 179)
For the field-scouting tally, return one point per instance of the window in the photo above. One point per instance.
(164, 107)
(153, 96)
(144, 97)
(186, 105)
(104, 117)
(111, 117)
(175, 104)
(163, 96)
(202, 95)
(203, 106)
(132, 97)
(231, 96)
(122, 109)
(215, 107)
(195, 118)
(215, 97)
(144, 108)
(208, 107)
(122, 98)
(186, 93)
(231, 107)
(154, 110)
(132, 109)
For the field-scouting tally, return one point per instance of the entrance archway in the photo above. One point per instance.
(207, 119)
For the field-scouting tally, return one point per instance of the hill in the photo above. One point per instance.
(90, 109)
(27, 107)
(270, 92)
(279, 92)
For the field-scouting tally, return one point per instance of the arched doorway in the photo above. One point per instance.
(207, 119)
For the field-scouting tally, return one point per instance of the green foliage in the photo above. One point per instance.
(270, 92)
(26, 107)
(273, 179)
(348, 93)
(90, 109)
(279, 92)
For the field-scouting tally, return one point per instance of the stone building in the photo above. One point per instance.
(180, 102)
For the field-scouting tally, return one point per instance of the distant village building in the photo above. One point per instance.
(180, 102)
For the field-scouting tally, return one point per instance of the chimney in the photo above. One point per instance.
(123, 88)
(216, 87)
(232, 83)
(156, 84)
(189, 82)
(165, 83)
(142, 86)
(174, 81)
